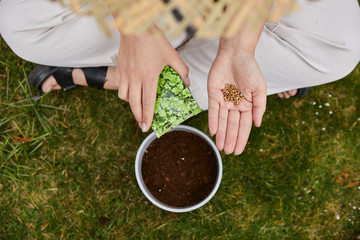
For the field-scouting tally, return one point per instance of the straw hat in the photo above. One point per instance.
(203, 18)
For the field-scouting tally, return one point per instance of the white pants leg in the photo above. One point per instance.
(318, 44)
(47, 33)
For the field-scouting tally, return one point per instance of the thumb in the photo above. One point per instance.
(259, 106)
(180, 67)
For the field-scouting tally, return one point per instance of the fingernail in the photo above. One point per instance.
(142, 126)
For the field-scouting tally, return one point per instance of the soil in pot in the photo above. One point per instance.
(179, 169)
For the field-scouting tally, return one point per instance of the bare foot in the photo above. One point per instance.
(288, 94)
(50, 84)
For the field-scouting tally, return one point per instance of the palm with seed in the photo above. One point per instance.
(232, 124)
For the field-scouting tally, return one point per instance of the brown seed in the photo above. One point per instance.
(232, 94)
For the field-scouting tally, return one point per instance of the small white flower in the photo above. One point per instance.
(358, 119)
(308, 191)
(182, 159)
(261, 150)
(359, 187)
(337, 217)
(354, 207)
(303, 122)
(323, 129)
(330, 112)
(325, 210)
(330, 95)
(320, 106)
(327, 104)
(314, 103)
(316, 113)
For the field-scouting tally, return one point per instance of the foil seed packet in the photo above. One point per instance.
(174, 102)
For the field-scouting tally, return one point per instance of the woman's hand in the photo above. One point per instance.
(140, 61)
(232, 124)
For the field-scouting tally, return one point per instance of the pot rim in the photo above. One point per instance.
(138, 161)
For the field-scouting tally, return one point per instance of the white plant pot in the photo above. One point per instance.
(138, 162)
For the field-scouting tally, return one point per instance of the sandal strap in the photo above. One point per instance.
(63, 76)
(95, 76)
(38, 75)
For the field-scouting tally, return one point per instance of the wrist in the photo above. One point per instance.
(235, 53)
(235, 47)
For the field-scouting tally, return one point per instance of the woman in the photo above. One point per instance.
(318, 44)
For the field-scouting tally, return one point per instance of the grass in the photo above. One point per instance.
(67, 168)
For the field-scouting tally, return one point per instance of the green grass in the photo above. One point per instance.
(67, 168)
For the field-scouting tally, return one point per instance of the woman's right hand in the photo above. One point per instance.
(140, 60)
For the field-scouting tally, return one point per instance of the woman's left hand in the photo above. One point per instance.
(232, 124)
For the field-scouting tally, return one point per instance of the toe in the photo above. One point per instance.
(287, 94)
(293, 92)
(50, 84)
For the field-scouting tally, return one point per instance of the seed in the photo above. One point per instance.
(232, 94)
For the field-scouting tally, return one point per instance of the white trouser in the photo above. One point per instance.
(318, 44)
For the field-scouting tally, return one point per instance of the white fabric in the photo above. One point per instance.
(318, 44)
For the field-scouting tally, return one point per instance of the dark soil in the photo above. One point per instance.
(179, 169)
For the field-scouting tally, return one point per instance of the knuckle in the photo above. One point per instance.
(134, 101)
(148, 103)
(246, 125)
(131, 70)
(223, 118)
(233, 122)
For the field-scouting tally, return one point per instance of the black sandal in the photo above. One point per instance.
(302, 92)
(95, 76)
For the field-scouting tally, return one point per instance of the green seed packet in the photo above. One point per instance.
(174, 102)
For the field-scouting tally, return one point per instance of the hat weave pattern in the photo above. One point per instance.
(202, 18)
